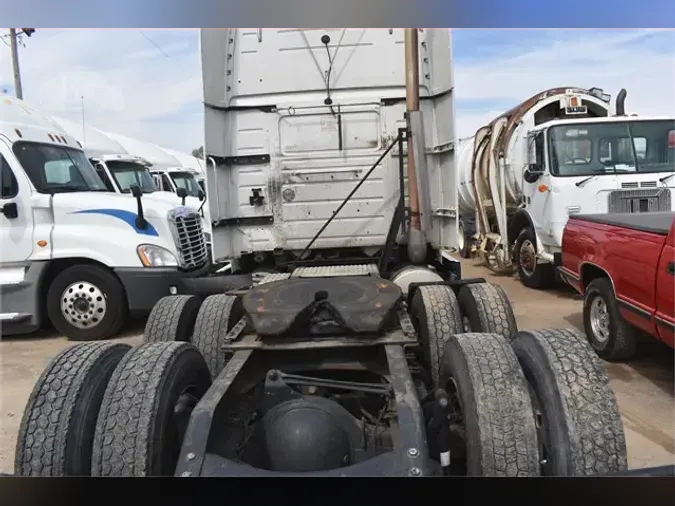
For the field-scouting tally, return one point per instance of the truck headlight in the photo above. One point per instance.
(207, 237)
(156, 256)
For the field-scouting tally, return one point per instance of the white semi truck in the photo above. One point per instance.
(71, 252)
(556, 154)
(351, 358)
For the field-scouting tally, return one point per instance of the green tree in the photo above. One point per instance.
(199, 152)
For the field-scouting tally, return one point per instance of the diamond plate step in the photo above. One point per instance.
(334, 271)
(275, 276)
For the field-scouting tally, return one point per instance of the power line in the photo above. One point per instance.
(153, 43)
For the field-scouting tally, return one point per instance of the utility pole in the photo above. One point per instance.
(15, 63)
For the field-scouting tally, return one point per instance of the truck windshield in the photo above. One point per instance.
(612, 148)
(187, 181)
(57, 169)
(127, 174)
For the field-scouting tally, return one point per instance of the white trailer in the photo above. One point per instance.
(556, 154)
(72, 252)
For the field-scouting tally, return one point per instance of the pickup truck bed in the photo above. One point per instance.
(655, 223)
(624, 265)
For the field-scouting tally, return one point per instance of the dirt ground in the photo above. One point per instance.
(644, 387)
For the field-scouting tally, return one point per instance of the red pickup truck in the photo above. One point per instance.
(624, 265)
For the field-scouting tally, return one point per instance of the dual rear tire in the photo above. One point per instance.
(502, 381)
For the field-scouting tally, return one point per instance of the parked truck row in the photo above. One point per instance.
(74, 253)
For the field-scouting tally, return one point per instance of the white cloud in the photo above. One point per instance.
(131, 87)
(610, 59)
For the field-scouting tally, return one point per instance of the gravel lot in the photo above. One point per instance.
(644, 387)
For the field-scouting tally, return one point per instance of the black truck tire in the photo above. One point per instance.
(486, 308)
(57, 429)
(486, 387)
(217, 315)
(172, 319)
(620, 339)
(435, 315)
(138, 432)
(97, 288)
(542, 276)
(465, 240)
(577, 418)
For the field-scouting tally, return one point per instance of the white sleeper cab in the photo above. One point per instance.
(73, 253)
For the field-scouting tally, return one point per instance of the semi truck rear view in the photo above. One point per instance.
(356, 348)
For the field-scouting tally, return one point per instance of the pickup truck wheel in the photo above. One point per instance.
(531, 273)
(57, 429)
(435, 314)
(172, 319)
(486, 308)
(146, 409)
(217, 315)
(491, 408)
(87, 303)
(579, 426)
(610, 336)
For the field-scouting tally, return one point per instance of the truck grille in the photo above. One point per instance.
(639, 201)
(189, 237)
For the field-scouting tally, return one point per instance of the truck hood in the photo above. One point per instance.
(172, 198)
(110, 210)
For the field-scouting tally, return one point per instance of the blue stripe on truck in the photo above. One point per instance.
(126, 216)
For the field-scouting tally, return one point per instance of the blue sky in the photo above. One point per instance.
(147, 84)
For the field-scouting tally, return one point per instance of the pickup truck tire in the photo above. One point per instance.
(172, 319)
(491, 407)
(146, 408)
(435, 314)
(57, 429)
(486, 308)
(87, 303)
(531, 273)
(610, 336)
(217, 315)
(579, 425)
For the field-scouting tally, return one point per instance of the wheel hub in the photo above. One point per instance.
(528, 257)
(599, 317)
(83, 305)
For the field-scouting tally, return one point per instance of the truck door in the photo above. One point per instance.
(665, 291)
(537, 194)
(16, 219)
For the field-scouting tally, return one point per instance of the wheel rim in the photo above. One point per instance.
(83, 305)
(527, 257)
(466, 324)
(541, 427)
(457, 430)
(599, 316)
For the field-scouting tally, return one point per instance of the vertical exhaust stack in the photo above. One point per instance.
(621, 103)
(417, 246)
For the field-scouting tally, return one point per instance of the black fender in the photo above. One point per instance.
(521, 219)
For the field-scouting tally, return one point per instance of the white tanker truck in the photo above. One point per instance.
(558, 153)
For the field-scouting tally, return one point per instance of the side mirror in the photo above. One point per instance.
(533, 172)
(136, 191)
(201, 195)
(182, 193)
(10, 210)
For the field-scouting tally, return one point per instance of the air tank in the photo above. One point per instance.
(507, 134)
